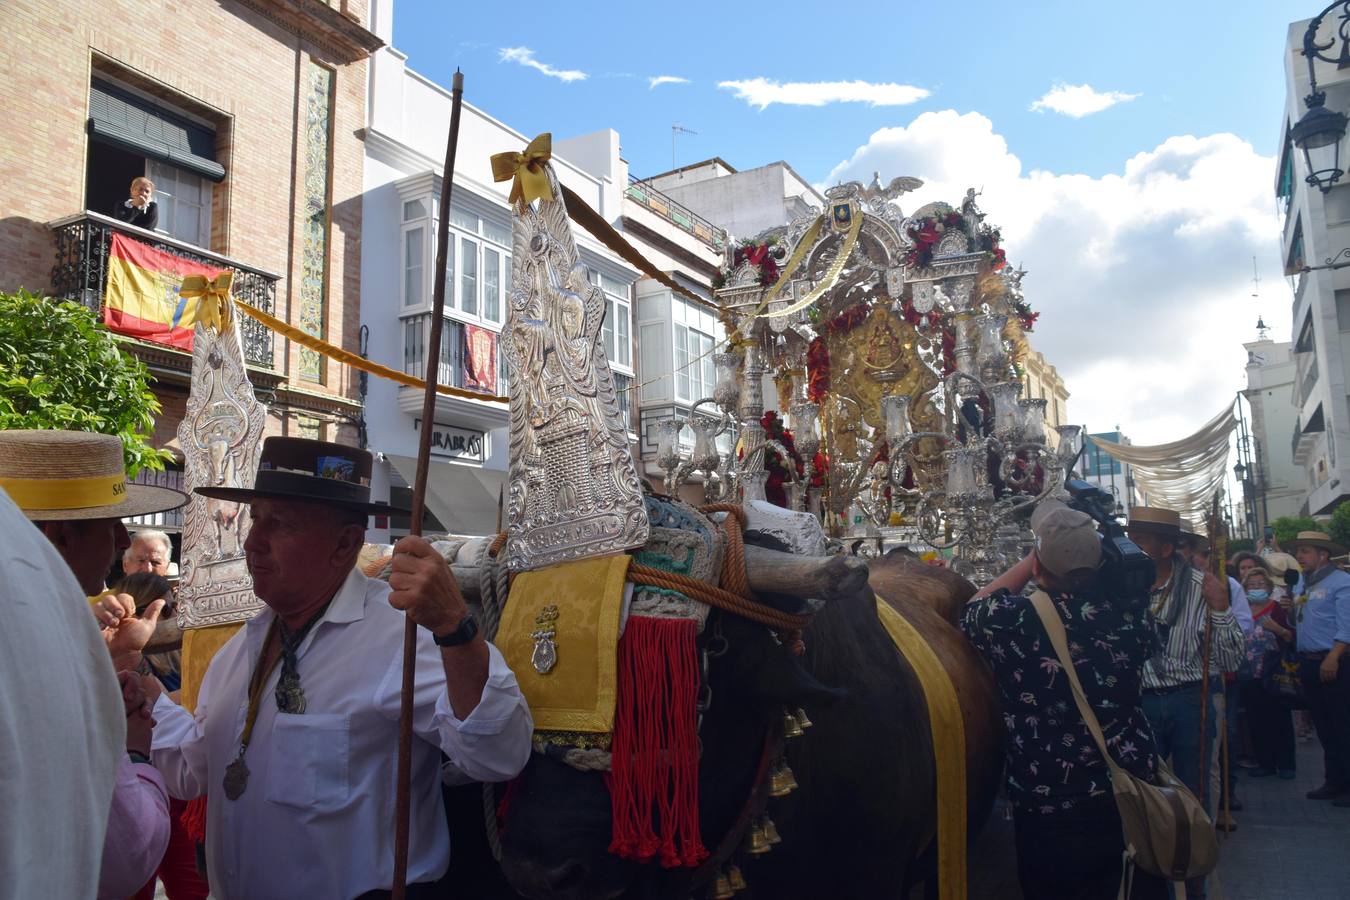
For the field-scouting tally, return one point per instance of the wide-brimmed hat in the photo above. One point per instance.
(311, 471)
(61, 475)
(1155, 520)
(1318, 539)
(1278, 564)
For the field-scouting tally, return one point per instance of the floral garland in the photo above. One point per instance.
(818, 353)
(1025, 316)
(759, 256)
(926, 233)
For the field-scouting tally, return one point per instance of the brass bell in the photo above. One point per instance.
(722, 889)
(736, 878)
(759, 841)
(771, 831)
(801, 718)
(782, 782)
(791, 728)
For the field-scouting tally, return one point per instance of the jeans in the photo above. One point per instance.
(1175, 718)
(1330, 708)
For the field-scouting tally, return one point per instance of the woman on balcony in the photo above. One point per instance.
(140, 210)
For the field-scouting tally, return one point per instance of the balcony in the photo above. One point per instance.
(682, 217)
(482, 414)
(81, 274)
(1307, 381)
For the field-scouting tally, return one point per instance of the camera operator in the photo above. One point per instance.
(1069, 840)
(1183, 602)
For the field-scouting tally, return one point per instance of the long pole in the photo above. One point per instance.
(405, 716)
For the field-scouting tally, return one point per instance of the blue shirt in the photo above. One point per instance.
(1324, 617)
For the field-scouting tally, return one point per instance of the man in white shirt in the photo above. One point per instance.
(295, 732)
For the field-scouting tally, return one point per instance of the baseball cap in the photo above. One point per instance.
(1066, 540)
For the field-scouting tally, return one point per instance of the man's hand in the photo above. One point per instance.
(1215, 592)
(1330, 666)
(421, 585)
(125, 633)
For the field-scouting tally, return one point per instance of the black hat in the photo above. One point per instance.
(311, 471)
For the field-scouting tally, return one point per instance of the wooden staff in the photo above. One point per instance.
(402, 794)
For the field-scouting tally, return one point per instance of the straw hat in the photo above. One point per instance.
(1319, 539)
(1279, 564)
(312, 471)
(1155, 520)
(61, 475)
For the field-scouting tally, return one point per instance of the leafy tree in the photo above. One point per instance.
(1241, 545)
(1288, 527)
(1340, 525)
(60, 369)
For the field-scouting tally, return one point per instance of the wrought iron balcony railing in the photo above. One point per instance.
(81, 273)
(643, 193)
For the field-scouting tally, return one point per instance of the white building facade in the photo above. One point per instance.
(1315, 229)
(409, 118)
(1278, 484)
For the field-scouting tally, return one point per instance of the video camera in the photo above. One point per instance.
(1126, 571)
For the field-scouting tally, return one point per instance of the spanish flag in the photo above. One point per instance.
(142, 300)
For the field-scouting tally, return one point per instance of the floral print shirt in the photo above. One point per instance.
(1053, 762)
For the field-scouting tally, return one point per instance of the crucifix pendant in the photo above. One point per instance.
(236, 777)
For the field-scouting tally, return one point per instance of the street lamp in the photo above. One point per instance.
(1318, 134)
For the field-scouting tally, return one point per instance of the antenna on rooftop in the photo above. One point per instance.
(675, 130)
(1262, 332)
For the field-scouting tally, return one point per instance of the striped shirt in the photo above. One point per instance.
(1178, 611)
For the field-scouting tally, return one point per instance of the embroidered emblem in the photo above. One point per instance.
(545, 655)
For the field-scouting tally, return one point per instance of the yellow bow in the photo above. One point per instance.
(531, 180)
(212, 307)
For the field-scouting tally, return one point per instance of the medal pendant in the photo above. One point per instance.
(545, 655)
(236, 778)
(290, 696)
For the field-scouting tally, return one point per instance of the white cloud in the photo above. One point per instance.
(762, 92)
(1142, 275)
(1079, 100)
(525, 56)
(658, 80)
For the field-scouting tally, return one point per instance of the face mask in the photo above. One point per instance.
(1258, 595)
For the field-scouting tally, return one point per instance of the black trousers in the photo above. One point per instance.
(1330, 708)
(1077, 855)
(1271, 724)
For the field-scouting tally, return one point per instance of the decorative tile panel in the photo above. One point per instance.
(315, 227)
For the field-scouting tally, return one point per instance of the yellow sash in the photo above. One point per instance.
(949, 749)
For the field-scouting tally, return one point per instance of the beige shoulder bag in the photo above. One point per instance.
(1167, 832)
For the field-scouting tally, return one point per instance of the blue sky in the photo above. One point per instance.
(1136, 196)
(1199, 67)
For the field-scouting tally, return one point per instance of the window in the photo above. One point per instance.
(492, 284)
(414, 243)
(468, 276)
(412, 346)
(616, 330)
(693, 333)
(184, 200)
(1295, 261)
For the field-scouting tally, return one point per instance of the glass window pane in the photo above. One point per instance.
(492, 284)
(462, 218)
(607, 329)
(495, 231)
(414, 209)
(614, 286)
(681, 363)
(412, 266)
(625, 342)
(468, 277)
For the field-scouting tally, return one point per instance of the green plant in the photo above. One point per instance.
(1288, 527)
(59, 368)
(1339, 529)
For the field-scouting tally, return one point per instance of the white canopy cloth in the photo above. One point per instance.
(464, 498)
(1184, 475)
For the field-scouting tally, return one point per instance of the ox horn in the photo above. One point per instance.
(803, 577)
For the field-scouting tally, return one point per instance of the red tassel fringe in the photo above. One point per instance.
(194, 819)
(653, 784)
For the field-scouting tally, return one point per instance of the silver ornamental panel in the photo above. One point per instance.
(221, 437)
(574, 491)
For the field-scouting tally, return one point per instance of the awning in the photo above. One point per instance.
(133, 123)
(463, 497)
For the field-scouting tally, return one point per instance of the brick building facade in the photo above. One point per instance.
(249, 117)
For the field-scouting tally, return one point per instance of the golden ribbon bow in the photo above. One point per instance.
(531, 181)
(212, 307)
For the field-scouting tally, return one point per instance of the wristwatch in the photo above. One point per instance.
(467, 631)
(137, 756)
